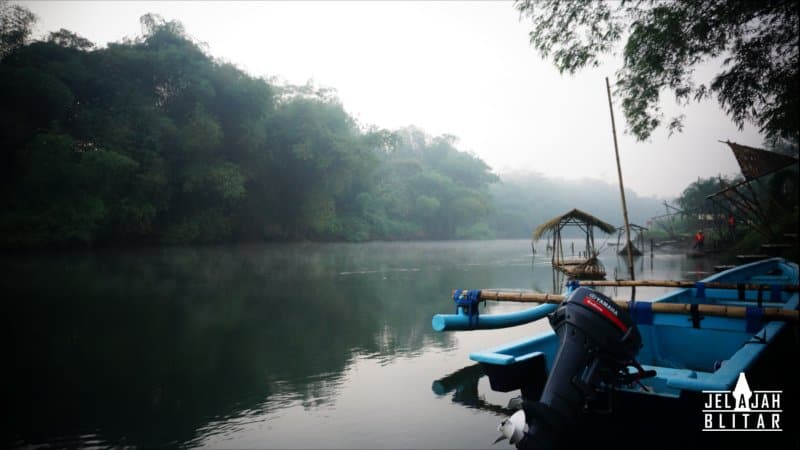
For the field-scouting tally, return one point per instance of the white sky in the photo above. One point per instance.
(462, 68)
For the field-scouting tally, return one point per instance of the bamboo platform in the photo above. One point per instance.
(582, 268)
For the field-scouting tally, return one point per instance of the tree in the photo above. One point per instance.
(667, 39)
(152, 140)
(694, 198)
(66, 38)
(15, 27)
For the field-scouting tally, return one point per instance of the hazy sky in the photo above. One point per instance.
(462, 68)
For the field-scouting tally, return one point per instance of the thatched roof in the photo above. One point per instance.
(576, 215)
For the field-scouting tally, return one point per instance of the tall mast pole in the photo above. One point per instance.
(621, 188)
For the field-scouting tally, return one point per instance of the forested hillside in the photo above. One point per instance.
(152, 140)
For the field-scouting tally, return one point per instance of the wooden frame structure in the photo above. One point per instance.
(587, 265)
(741, 199)
(639, 239)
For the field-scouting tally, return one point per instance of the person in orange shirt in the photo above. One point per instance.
(699, 239)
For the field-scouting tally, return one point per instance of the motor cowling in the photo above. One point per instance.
(598, 342)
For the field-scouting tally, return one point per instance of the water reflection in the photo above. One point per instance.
(166, 347)
(144, 348)
(463, 383)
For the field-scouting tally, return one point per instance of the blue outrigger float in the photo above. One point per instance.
(642, 374)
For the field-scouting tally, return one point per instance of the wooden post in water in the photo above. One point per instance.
(622, 192)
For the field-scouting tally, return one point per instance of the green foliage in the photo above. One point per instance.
(107, 171)
(667, 40)
(151, 140)
(66, 38)
(227, 181)
(426, 188)
(208, 225)
(16, 24)
(694, 199)
(426, 207)
(199, 136)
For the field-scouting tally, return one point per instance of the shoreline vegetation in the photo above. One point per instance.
(151, 141)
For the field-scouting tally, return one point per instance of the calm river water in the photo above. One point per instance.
(264, 346)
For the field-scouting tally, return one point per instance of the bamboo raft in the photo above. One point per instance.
(583, 269)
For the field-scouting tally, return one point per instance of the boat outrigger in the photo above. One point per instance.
(648, 360)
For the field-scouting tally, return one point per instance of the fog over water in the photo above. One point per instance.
(264, 346)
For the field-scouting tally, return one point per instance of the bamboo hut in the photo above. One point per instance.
(639, 239)
(585, 265)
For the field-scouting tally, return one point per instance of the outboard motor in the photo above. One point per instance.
(598, 342)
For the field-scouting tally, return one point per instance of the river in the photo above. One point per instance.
(264, 346)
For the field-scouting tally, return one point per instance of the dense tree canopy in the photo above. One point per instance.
(152, 140)
(665, 41)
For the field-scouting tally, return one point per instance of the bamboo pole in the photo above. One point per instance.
(659, 307)
(685, 284)
(520, 296)
(621, 190)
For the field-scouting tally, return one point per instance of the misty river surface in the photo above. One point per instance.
(265, 346)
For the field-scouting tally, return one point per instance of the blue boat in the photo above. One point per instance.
(640, 377)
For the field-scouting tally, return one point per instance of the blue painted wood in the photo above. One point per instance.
(686, 359)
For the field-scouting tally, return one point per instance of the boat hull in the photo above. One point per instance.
(690, 355)
(638, 421)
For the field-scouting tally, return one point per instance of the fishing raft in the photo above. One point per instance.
(586, 266)
(653, 365)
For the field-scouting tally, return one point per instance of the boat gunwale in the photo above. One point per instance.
(677, 378)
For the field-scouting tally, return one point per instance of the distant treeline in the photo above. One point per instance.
(151, 140)
(524, 201)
